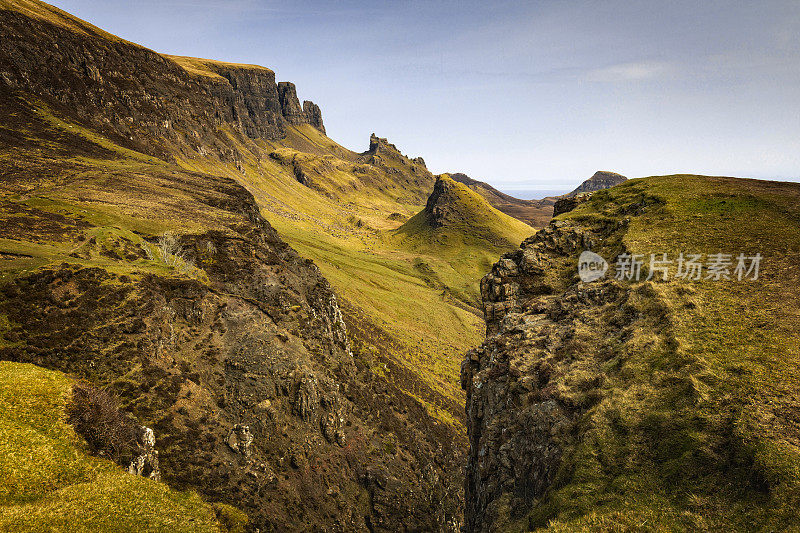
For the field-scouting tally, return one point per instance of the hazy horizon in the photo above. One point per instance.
(524, 96)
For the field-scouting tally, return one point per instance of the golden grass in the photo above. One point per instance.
(702, 434)
(50, 484)
(209, 67)
(50, 14)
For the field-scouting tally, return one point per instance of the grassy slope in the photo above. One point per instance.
(337, 222)
(73, 188)
(50, 484)
(53, 15)
(342, 235)
(474, 234)
(425, 299)
(724, 404)
(536, 213)
(207, 67)
(424, 296)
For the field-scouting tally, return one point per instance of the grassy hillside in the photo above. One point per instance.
(729, 455)
(683, 393)
(419, 287)
(458, 215)
(536, 213)
(51, 484)
(106, 149)
(336, 206)
(459, 228)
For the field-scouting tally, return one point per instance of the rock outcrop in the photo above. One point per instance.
(442, 205)
(454, 214)
(309, 113)
(524, 393)
(146, 463)
(410, 174)
(582, 391)
(600, 180)
(566, 204)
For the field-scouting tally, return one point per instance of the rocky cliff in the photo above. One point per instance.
(602, 405)
(291, 110)
(142, 100)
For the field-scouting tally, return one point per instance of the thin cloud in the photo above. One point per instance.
(633, 71)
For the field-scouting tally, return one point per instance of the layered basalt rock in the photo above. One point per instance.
(141, 99)
(309, 113)
(543, 372)
(522, 408)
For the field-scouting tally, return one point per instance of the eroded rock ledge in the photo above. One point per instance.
(543, 368)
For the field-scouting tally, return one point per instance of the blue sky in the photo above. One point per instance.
(524, 95)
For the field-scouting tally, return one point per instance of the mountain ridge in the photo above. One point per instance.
(602, 179)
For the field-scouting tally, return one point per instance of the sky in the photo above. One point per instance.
(523, 95)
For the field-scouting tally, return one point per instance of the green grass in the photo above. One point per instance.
(432, 329)
(472, 238)
(696, 428)
(50, 484)
(426, 297)
(209, 67)
(469, 221)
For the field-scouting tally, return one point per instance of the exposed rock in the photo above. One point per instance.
(305, 399)
(439, 204)
(240, 439)
(309, 113)
(375, 144)
(599, 181)
(568, 203)
(542, 367)
(313, 115)
(146, 463)
(290, 105)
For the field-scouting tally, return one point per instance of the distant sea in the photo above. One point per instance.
(533, 194)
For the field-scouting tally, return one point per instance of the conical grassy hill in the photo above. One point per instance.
(456, 216)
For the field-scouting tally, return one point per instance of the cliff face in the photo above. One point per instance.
(141, 99)
(291, 110)
(519, 416)
(602, 405)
